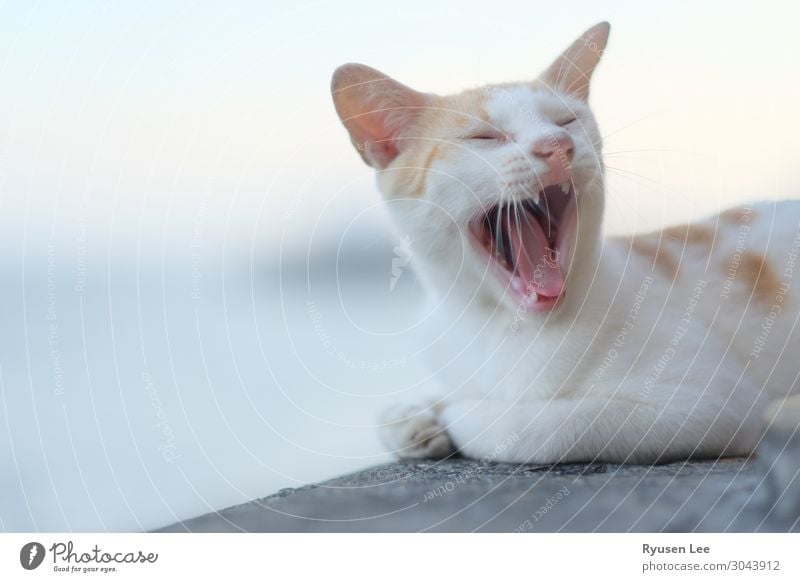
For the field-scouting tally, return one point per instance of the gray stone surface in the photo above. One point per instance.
(461, 495)
(457, 495)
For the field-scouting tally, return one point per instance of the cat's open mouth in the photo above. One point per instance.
(527, 243)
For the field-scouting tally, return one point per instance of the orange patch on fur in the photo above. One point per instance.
(756, 273)
(437, 122)
(648, 247)
(460, 110)
(419, 189)
(690, 234)
(738, 215)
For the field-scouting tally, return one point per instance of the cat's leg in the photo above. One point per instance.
(413, 430)
(602, 429)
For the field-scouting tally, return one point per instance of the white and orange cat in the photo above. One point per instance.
(558, 345)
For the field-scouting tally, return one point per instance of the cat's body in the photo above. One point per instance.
(558, 345)
(671, 354)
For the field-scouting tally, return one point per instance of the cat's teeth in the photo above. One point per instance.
(565, 187)
(531, 299)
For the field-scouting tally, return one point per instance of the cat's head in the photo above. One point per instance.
(499, 188)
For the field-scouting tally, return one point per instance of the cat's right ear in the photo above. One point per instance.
(376, 110)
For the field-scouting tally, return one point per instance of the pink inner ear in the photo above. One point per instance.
(376, 110)
(383, 152)
(373, 136)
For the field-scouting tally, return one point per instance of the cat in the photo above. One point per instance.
(560, 345)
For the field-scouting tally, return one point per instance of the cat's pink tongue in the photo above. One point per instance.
(536, 263)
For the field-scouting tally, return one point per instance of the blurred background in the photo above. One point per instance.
(197, 300)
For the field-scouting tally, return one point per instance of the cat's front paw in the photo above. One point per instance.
(414, 432)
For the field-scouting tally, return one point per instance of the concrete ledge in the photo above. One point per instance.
(761, 494)
(461, 495)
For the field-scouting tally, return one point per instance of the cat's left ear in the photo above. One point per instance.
(572, 71)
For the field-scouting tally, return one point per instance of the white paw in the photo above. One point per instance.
(414, 432)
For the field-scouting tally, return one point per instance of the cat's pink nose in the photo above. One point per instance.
(556, 150)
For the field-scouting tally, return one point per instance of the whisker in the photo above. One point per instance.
(651, 151)
(629, 125)
(524, 247)
(529, 221)
(654, 186)
(511, 246)
(632, 173)
(498, 234)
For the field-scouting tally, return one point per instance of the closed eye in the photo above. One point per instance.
(486, 136)
(567, 121)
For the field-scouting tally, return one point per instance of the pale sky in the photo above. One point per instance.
(132, 130)
(129, 116)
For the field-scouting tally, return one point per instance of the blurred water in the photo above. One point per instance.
(141, 387)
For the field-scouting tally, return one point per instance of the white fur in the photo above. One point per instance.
(633, 366)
